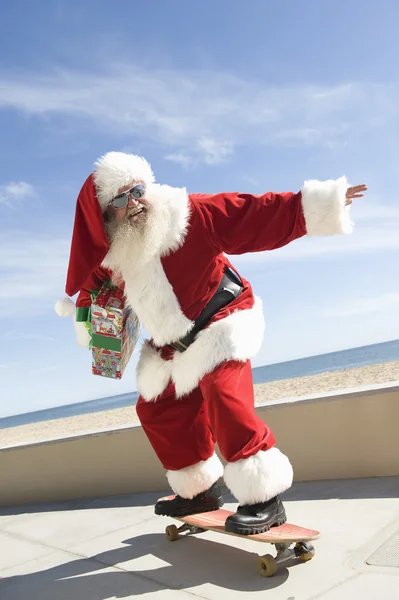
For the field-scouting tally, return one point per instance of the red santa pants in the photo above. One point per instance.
(220, 410)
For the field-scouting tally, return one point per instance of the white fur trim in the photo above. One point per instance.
(324, 207)
(147, 288)
(198, 478)
(178, 209)
(117, 169)
(259, 478)
(236, 337)
(152, 298)
(153, 373)
(64, 307)
(82, 335)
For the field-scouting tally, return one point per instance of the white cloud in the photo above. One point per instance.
(17, 189)
(377, 212)
(32, 272)
(201, 115)
(13, 192)
(363, 306)
(45, 370)
(18, 337)
(182, 159)
(207, 150)
(214, 152)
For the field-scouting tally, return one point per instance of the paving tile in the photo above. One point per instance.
(16, 551)
(206, 565)
(367, 587)
(117, 548)
(211, 566)
(137, 502)
(63, 576)
(63, 528)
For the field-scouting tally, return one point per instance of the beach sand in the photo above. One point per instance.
(289, 388)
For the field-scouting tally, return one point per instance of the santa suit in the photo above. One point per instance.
(191, 400)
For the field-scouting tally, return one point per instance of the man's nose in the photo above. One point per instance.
(132, 201)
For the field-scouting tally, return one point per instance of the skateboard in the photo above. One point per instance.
(282, 537)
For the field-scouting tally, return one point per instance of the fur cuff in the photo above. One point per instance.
(260, 477)
(323, 204)
(152, 373)
(82, 335)
(198, 478)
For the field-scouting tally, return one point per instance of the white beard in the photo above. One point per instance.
(135, 259)
(136, 243)
(133, 244)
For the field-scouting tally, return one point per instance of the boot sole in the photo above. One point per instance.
(195, 511)
(239, 529)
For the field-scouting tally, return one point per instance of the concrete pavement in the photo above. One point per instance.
(116, 547)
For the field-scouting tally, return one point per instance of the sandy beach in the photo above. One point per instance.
(302, 386)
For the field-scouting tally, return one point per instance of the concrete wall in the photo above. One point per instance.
(341, 435)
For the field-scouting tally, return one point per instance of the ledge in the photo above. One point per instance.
(336, 435)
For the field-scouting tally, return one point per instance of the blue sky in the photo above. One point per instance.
(217, 98)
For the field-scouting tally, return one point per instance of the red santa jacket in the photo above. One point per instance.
(172, 290)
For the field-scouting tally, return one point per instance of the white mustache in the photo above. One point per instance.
(136, 209)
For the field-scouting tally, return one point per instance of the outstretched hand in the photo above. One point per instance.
(357, 191)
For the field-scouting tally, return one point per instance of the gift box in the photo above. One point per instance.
(115, 330)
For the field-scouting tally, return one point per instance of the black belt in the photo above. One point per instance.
(229, 289)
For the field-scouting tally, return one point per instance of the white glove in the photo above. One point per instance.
(66, 308)
(82, 335)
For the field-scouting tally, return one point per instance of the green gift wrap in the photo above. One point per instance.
(115, 330)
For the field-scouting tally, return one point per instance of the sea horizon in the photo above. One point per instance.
(300, 367)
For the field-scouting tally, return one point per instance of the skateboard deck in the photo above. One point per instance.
(282, 537)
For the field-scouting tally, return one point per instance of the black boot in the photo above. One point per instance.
(212, 499)
(256, 518)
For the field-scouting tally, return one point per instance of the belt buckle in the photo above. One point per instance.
(179, 346)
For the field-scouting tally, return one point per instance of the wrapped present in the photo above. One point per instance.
(115, 330)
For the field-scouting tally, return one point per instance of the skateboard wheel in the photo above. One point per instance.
(267, 565)
(172, 533)
(304, 551)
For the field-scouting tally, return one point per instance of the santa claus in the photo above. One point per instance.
(167, 248)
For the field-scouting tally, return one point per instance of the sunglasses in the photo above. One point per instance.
(122, 200)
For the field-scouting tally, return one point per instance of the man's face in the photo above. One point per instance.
(137, 225)
(134, 213)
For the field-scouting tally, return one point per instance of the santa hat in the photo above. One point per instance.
(89, 239)
(115, 170)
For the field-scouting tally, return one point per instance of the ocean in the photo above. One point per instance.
(312, 365)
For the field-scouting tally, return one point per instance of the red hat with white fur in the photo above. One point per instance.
(90, 243)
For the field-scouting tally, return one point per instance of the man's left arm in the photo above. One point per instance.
(238, 223)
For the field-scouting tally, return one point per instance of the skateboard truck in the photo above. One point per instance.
(268, 564)
(173, 532)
